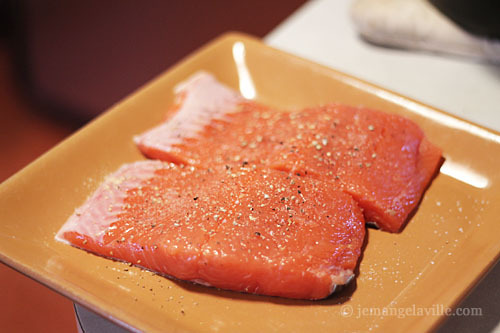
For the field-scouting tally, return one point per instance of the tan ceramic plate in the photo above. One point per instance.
(448, 244)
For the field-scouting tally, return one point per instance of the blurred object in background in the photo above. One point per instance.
(83, 56)
(459, 27)
(477, 17)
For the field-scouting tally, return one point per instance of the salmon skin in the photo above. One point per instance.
(383, 160)
(238, 228)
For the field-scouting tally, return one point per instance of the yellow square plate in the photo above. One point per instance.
(448, 244)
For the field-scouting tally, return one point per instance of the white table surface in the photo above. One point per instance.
(322, 31)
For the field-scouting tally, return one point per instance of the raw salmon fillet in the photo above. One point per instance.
(238, 228)
(383, 160)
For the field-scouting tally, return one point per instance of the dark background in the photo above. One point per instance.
(64, 62)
